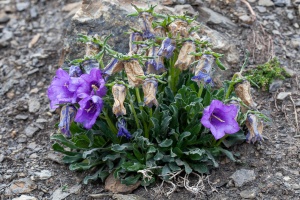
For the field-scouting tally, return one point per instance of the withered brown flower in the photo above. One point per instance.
(242, 90)
(255, 129)
(119, 94)
(155, 65)
(160, 31)
(145, 20)
(114, 66)
(150, 89)
(134, 69)
(184, 59)
(178, 28)
(134, 37)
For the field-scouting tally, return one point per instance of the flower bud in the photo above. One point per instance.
(134, 69)
(242, 90)
(150, 89)
(134, 37)
(123, 132)
(145, 20)
(203, 68)
(255, 129)
(184, 59)
(178, 28)
(67, 116)
(88, 65)
(119, 94)
(155, 65)
(75, 71)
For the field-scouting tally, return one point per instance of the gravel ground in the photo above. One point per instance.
(31, 41)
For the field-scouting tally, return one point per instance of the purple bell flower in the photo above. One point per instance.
(90, 108)
(155, 65)
(220, 119)
(123, 132)
(91, 84)
(75, 71)
(67, 115)
(166, 49)
(62, 89)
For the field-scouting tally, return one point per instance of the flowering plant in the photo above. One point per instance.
(153, 112)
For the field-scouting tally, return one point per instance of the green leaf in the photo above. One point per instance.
(166, 143)
(121, 148)
(181, 138)
(195, 154)
(138, 154)
(86, 153)
(58, 148)
(210, 157)
(207, 98)
(174, 167)
(102, 174)
(61, 138)
(158, 156)
(133, 167)
(187, 167)
(111, 157)
(151, 149)
(130, 180)
(200, 168)
(227, 153)
(165, 124)
(177, 151)
(72, 159)
(84, 165)
(165, 172)
(234, 139)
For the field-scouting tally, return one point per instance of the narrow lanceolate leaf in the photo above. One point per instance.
(61, 138)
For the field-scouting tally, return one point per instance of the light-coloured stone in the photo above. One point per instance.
(265, 3)
(25, 197)
(43, 175)
(242, 176)
(34, 105)
(21, 186)
(213, 17)
(127, 197)
(283, 95)
(248, 194)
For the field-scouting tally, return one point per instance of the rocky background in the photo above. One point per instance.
(37, 36)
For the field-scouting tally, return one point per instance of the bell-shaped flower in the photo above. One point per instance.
(67, 115)
(134, 37)
(255, 129)
(88, 65)
(113, 67)
(133, 69)
(166, 49)
(242, 90)
(145, 20)
(75, 71)
(91, 49)
(184, 57)
(150, 89)
(123, 132)
(90, 108)
(220, 119)
(155, 65)
(61, 89)
(160, 31)
(119, 94)
(92, 84)
(178, 28)
(203, 69)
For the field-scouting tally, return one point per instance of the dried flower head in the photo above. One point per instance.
(255, 129)
(184, 59)
(133, 70)
(220, 119)
(145, 20)
(155, 65)
(150, 89)
(166, 49)
(113, 67)
(67, 115)
(119, 93)
(134, 37)
(195, 35)
(203, 69)
(160, 31)
(178, 28)
(242, 90)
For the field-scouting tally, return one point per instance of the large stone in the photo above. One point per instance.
(25, 197)
(21, 186)
(212, 17)
(242, 176)
(265, 3)
(248, 194)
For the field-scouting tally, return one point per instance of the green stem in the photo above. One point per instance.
(138, 96)
(109, 122)
(200, 89)
(221, 140)
(230, 88)
(134, 114)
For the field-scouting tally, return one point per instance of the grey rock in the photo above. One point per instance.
(58, 194)
(297, 103)
(34, 105)
(6, 36)
(295, 42)
(265, 3)
(1, 158)
(21, 186)
(4, 18)
(248, 194)
(55, 157)
(33, 12)
(181, 9)
(25, 197)
(30, 131)
(20, 116)
(41, 120)
(215, 18)
(21, 6)
(261, 9)
(275, 85)
(283, 95)
(245, 19)
(127, 197)
(289, 71)
(242, 176)
(7, 86)
(280, 3)
(43, 175)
